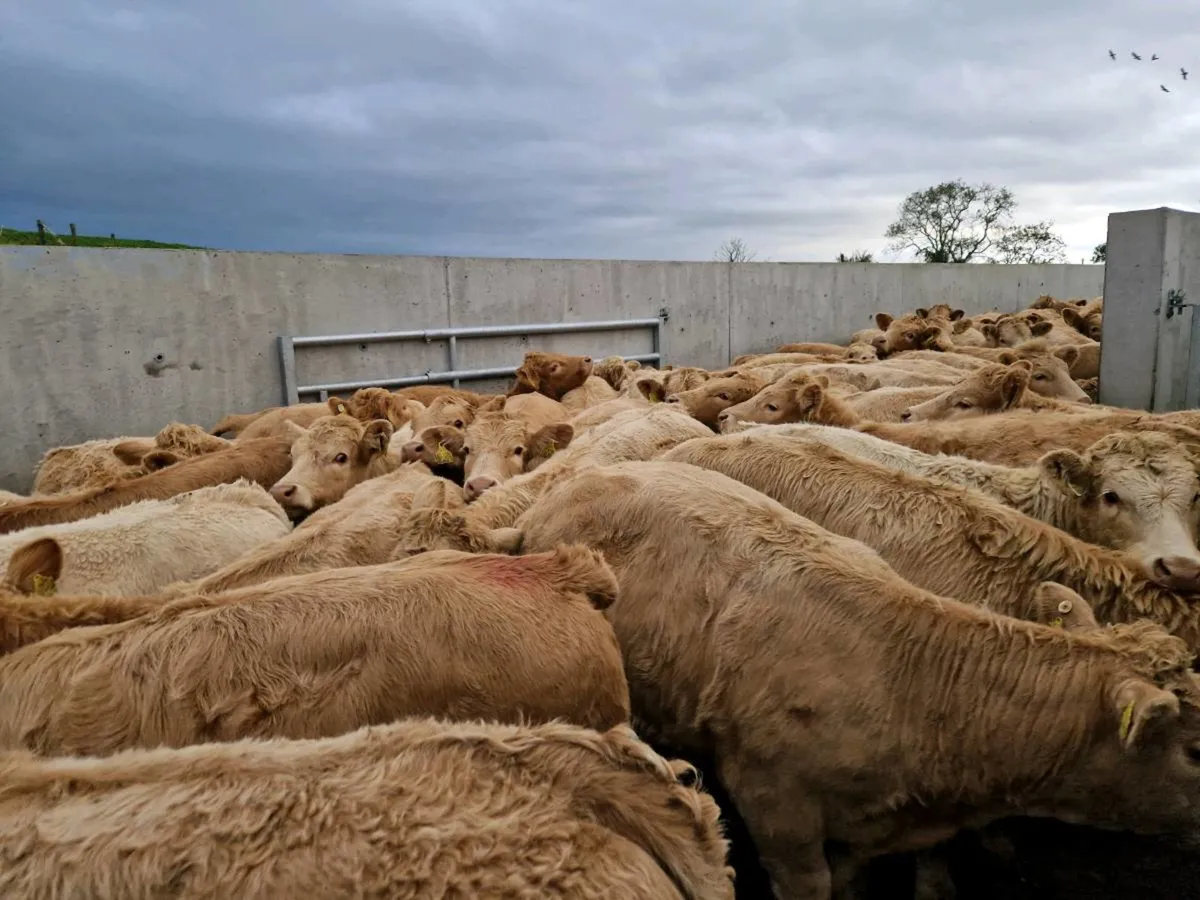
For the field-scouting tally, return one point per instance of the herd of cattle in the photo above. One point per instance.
(432, 643)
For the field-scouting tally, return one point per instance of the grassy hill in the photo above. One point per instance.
(13, 236)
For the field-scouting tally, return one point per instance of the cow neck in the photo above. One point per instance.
(991, 710)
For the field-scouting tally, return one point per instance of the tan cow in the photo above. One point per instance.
(1136, 492)
(994, 388)
(920, 330)
(951, 540)
(847, 708)
(452, 634)
(361, 529)
(142, 547)
(656, 386)
(262, 461)
(26, 619)
(799, 397)
(328, 458)
(419, 808)
(1086, 362)
(100, 462)
(706, 402)
(510, 436)
(593, 392)
(816, 347)
(550, 374)
(1087, 320)
(1014, 438)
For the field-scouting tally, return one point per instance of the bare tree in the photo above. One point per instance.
(734, 250)
(858, 256)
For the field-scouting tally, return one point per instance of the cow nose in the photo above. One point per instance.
(587, 359)
(674, 398)
(411, 451)
(283, 491)
(906, 416)
(478, 485)
(1177, 572)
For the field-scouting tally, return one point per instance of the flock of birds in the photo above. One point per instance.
(1183, 73)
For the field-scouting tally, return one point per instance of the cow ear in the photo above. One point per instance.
(132, 452)
(35, 568)
(337, 406)
(375, 437)
(809, 398)
(822, 380)
(956, 314)
(1013, 386)
(991, 332)
(505, 540)
(1006, 357)
(1138, 705)
(1068, 354)
(527, 381)
(882, 321)
(549, 440)
(496, 404)
(1069, 468)
(1071, 316)
(1060, 607)
(652, 390)
(961, 325)
(1041, 329)
(293, 431)
(158, 459)
(922, 312)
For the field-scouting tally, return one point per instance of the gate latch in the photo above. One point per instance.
(1175, 302)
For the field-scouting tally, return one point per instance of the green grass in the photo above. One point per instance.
(13, 236)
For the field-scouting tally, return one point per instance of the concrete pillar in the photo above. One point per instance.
(1151, 344)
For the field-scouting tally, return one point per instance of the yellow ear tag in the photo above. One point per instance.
(654, 399)
(549, 451)
(442, 456)
(1126, 720)
(341, 409)
(1056, 623)
(44, 586)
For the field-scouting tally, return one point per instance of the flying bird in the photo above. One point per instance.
(1111, 55)
(1164, 89)
(1134, 55)
(1153, 57)
(1183, 72)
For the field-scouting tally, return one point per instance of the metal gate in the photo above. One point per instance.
(293, 391)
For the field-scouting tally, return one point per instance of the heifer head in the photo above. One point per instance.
(616, 371)
(862, 351)
(1086, 320)
(552, 374)
(369, 404)
(438, 520)
(1050, 373)
(1138, 492)
(499, 445)
(177, 440)
(794, 398)
(1013, 329)
(658, 386)
(914, 332)
(446, 410)
(989, 389)
(440, 448)
(1058, 606)
(706, 402)
(329, 458)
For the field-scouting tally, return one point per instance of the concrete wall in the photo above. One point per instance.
(1151, 355)
(97, 342)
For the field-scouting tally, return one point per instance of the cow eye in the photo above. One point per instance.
(458, 423)
(341, 459)
(963, 404)
(1193, 754)
(1039, 377)
(1196, 499)
(554, 367)
(1110, 497)
(772, 407)
(722, 396)
(518, 451)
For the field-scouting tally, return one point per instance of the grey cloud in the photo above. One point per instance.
(640, 128)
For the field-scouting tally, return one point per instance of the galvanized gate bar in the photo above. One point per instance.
(292, 390)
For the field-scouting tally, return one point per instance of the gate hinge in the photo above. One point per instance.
(1175, 302)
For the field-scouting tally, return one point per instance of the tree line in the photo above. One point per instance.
(955, 222)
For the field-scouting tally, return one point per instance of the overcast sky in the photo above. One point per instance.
(581, 128)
